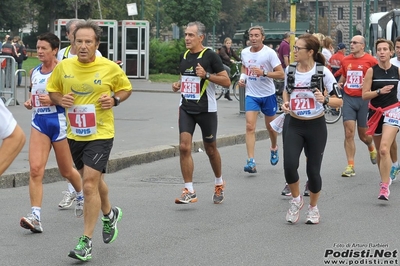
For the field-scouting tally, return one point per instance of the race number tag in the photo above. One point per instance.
(354, 79)
(35, 100)
(392, 116)
(190, 87)
(302, 100)
(82, 119)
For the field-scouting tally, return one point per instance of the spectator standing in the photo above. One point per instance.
(8, 48)
(226, 53)
(355, 109)
(336, 60)
(284, 50)
(21, 50)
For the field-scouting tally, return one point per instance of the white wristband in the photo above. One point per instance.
(243, 76)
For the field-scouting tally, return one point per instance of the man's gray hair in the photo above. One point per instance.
(90, 24)
(201, 29)
(72, 22)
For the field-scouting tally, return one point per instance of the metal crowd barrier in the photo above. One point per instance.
(8, 80)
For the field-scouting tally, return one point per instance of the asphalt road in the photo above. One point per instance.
(248, 228)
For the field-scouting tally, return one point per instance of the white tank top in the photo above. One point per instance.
(39, 81)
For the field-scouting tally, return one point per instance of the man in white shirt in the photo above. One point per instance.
(12, 136)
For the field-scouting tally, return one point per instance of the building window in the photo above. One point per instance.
(383, 9)
(321, 12)
(358, 12)
(339, 36)
(340, 13)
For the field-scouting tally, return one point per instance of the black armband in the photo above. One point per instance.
(30, 88)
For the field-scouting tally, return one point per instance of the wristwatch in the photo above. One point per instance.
(265, 74)
(326, 101)
(207, 75)
(117, 100)
(378, 91)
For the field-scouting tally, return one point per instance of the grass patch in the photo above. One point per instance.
(167, 78)
(31, 62)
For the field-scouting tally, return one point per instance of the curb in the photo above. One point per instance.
(122, 160)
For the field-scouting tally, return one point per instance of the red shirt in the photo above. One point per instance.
(354, 69)
(336, 63)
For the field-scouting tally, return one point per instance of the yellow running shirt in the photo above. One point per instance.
(88, 82)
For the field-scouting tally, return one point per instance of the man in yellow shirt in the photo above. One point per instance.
(89, 87)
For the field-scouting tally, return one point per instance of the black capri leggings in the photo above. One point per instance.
(310, 135)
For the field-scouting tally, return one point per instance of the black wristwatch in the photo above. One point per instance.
(207, 75)
(265, 73)
(117, 100)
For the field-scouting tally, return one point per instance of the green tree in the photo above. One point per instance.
(14, 16)
(182, 11)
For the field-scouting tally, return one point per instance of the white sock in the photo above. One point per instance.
(79, 195)
(36, 212)
(71, 188)
(297, 199)
(189, 186)
(218, 181)
(396, 164)
(311, 207)
(111, 214)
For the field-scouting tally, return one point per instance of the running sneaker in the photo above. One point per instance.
(349, 171)
(372, 156)
(286, 191)
(393, 172)
(274, 157)
(312, 215)
(79, 207)
(110, 230)
(186, 197)
(67, 200)
(384, 192)
(251, 166)
(292, 215)
(82, 251)
(306, 192)
(31, 223)
(218, 196)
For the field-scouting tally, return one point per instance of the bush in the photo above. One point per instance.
(164, 56)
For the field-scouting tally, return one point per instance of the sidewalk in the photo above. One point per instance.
(146, 131)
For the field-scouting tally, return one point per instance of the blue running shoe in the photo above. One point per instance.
(251, 166)
(274, 157)
(393, 172)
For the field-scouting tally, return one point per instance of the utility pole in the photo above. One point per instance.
(292, 26)
(98, 3)
(158, 19)
(351, 21)
(366, 28)
(316, 16)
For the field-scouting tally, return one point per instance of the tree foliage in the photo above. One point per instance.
(182, 11)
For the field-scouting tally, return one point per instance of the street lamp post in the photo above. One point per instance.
(158, 19)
